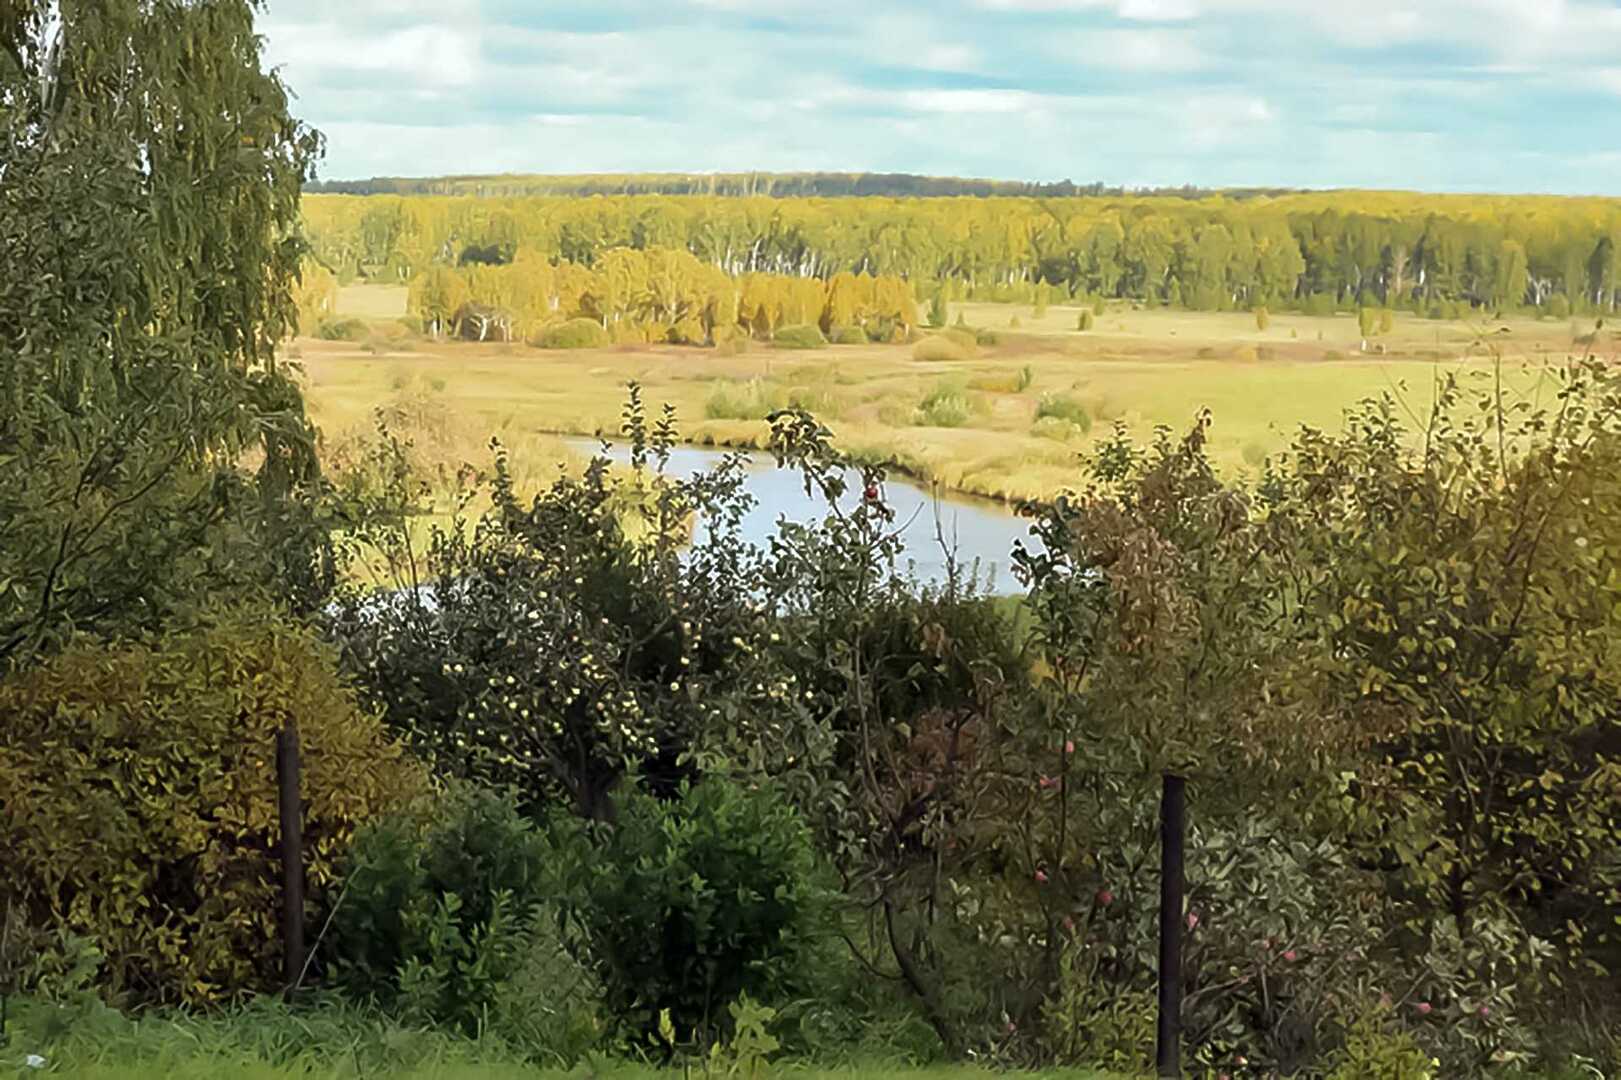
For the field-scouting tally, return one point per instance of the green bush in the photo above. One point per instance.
(1263, 319)
(947, 405)
(691, 903)
(138, 797)
(1064, 407)
(1050, 427)
(337, 329)
(1373, 1051)
(574, 334)
(444, 922)
(1559, 306)
(939, 348)
(849, 335)
(1084, 322)
(987, 338)
(800, 337)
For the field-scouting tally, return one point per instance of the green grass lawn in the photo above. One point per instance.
(974, 424)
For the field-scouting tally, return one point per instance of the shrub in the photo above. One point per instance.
(940, 348)
(691, 903)
(343, 330)
(574, 334)
(1016, 382)
(1372, 1052)
(849, 335)
(1084, 322)
(1050, 427)
(1559, 306)
(986, 337)
(444, 918)
(138, 797)
(800, 337)
(1099, 306)
(1263, 319)
(754, 399)
(947, 405)
(1387, 320)
(1014, 323)
(1066, 408)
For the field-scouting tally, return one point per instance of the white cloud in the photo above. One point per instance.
(1290, 92)
(1158, 10)
(1134, 50)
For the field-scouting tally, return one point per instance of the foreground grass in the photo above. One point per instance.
(213, 1069)
(1006, 423)
(331, 1039)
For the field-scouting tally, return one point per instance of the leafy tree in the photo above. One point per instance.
(1467, 593)
(149, 189)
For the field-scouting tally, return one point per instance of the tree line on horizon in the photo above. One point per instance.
(1314, 251)
(744, 184)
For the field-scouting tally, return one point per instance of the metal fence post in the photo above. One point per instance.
(1172, 839)
(288, 767)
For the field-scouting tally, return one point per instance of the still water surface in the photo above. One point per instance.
(980, 530)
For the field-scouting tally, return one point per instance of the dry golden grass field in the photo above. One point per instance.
(1007, 421)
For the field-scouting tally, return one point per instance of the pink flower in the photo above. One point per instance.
(1105, 898)
(1041, 877)
(1485, 1011)
(1241, 1060)
(1423, 1008)
(1012, 1027)
(1069, 746)
(1193, 920)
(1290, 955)
(1045, 781)
(1069, 923)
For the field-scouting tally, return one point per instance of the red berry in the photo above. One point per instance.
(1105, 898)
(1041, 877)
(1291, 956)
(1423, 1008)
(1069, 746)
(872, 492)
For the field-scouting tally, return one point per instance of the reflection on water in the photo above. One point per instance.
(978, 530)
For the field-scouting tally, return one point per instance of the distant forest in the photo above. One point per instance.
(778, 185)
(1442, 255)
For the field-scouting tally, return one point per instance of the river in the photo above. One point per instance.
(981, 531)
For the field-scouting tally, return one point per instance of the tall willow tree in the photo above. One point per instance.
(149, 198)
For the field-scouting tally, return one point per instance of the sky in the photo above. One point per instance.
(1436, 95)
